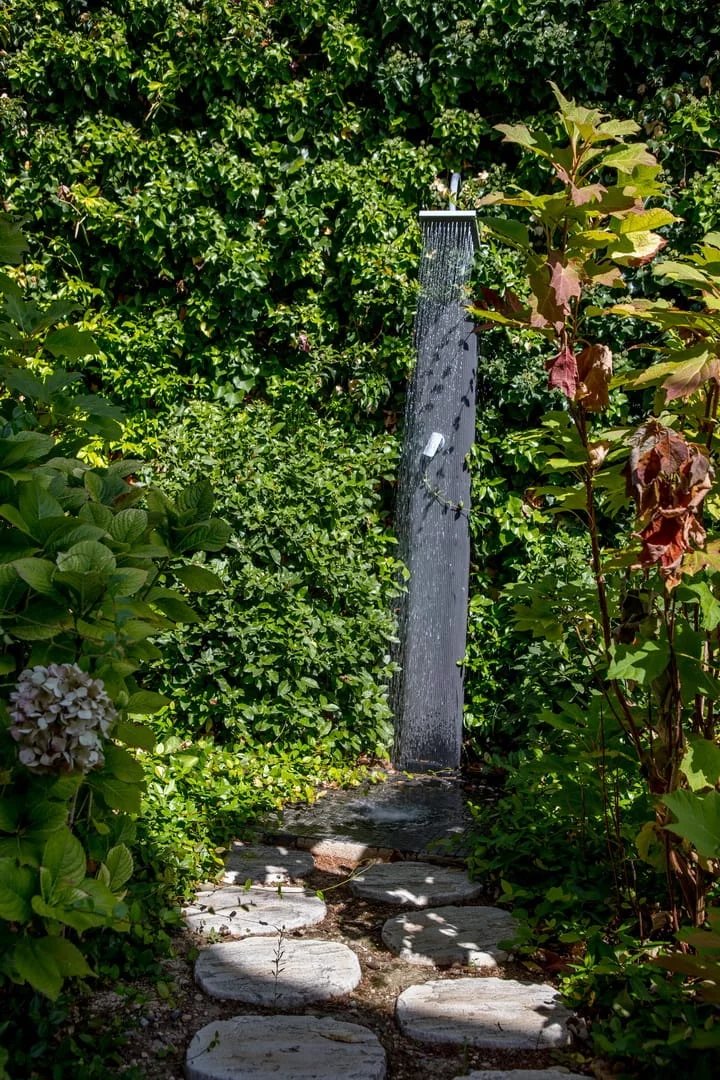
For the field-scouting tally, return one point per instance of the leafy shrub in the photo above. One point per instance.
(296, 649)
(85, 582)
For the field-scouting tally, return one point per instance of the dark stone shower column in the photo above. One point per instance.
(433, 503)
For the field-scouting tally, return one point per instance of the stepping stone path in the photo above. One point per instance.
(280, 972)
(414, 884)
(259, 910)
(489, 1013)
(271, 969)
(440, 937)
(294, 1047)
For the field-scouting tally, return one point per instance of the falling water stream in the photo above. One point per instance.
(433, 504)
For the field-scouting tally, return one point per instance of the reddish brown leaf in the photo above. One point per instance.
(595, 369)
(657, 454)
(507, 303)
(545, 311)
(668, 478)
(591, 193)
(667, 538)
(564, 280)
(491, 298)
(563, 372)
(663, 540)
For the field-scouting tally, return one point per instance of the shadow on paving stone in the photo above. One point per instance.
(413, 816)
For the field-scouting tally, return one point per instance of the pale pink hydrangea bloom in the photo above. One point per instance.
(60, 716)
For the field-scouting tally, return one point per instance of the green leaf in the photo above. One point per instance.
(701, 763)
(17, 885)
(119, 865)
(635, 246)
(122, 765)
(689, 376)
(195, 501)
(645, 221)
(210, 535)
(128, 525)
(12, 242)
(65, 860)
(70, 961)
(24, 447)
(37, 573)
(89, 556)
(536, 142)
(36, 503)
(145, 702)
(78, 914)
(126, 581)
(698, 820)
(198, 578)
(117, 794)
(177, 610)
(677, 271)
(627, 157)
(36, 965)
(71, 343)
(709, 604)
(135, 735)
(641, 663)
(507, 229)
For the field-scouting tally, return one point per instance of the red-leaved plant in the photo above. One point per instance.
(660, 684)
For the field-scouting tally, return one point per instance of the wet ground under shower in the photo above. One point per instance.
(400, 816)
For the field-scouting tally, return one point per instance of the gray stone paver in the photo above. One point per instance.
(414, 884)
(277, 972)
(450, 935)
(237, 912)
(293, 1047)
(265, 865)
(486, 1012)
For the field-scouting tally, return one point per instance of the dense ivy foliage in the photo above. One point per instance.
(230, 190)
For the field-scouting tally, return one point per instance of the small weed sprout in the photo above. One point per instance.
(278, 957)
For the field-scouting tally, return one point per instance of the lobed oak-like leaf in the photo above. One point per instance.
(564, 280)
(689, 376)
(627, 157)
(645, 221)
(635, 248)
(536, 141)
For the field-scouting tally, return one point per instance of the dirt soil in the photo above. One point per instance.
(156, 1029)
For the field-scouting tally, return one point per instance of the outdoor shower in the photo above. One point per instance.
(434, 499)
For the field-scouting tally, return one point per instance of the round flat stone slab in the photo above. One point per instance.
(489, 1012)
(296, 1047)
(521, 1074)
(278, 972)
(265, 865)
(239, 912)
(414, 884)
(444, 936)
